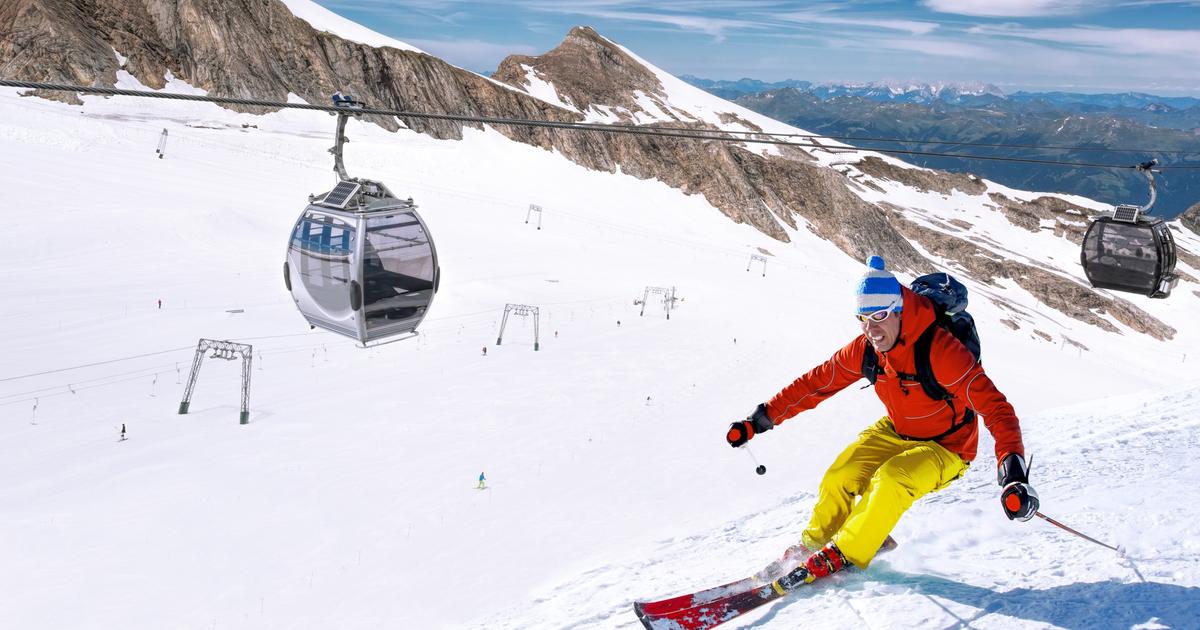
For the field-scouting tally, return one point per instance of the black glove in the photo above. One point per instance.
(740, 432)
(1018, 498)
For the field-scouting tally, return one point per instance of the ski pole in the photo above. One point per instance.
(1083, 536)
(758, 468)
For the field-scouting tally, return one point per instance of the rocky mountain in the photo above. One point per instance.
(1124, 100)
(861, 202)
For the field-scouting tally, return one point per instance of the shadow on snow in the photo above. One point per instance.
(1078, 606)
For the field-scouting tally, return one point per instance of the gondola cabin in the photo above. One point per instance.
(1130, 251)
(360, 263)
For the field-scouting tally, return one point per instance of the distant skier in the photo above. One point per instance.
(618, 323)
(920, 446)
(160, 305)
(122, 431)
(485, 351)
(482, 482)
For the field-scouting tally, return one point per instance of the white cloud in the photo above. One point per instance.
(1167, 44)
(914, 27)
(471, 53)
(1012, 8)
(938, 47)
(714, 26)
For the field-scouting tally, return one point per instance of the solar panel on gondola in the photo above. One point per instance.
(340, 195)
(1128, 214)
(368, 272)
(1130, 250)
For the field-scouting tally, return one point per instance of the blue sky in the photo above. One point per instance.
(1077, 45)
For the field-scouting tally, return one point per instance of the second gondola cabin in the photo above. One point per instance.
(1130, 251)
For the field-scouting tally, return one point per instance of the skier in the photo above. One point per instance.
(485, 351)
(920, 446)
(122, 432)
(160, 305)
(482, 482)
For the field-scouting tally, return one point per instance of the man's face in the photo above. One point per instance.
(882, 329)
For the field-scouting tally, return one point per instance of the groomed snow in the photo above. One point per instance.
(349, 500)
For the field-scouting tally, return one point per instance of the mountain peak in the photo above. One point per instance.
(586, 69)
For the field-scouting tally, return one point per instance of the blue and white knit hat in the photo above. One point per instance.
(878, 289)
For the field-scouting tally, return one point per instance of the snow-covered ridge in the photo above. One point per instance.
(323, 19)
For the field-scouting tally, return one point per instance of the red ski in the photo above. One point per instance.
(714, 606)
(713, 613)
(791, 559)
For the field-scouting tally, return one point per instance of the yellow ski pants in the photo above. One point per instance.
(886, 473)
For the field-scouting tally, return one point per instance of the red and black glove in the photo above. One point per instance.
(741, 431)
(1019, 499)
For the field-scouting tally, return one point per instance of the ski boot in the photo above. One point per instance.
(827, 561)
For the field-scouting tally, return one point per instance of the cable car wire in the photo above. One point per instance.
(691, 134)
(85, 365)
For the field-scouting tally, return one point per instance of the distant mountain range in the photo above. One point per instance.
(958, 93)
(879, 91)
(981, 113)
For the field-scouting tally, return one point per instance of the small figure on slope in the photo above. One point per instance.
(920, 446)
(482, 482)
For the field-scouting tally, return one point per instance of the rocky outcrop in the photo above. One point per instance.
(206, 44)
(1191, 218)
(920, 178)
(1066, 219)
(587, 70)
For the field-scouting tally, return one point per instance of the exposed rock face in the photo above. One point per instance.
(922, 179)
(206, 43)
(1066, 219)
(1191, 218)
(587, 70)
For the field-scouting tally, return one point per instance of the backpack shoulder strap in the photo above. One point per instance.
(925, 376)
(870, 364)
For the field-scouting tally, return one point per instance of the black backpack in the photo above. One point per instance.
(949, 298)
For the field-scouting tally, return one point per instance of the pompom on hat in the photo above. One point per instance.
(878, 290)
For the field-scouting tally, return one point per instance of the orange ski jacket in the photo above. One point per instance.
(914, 414)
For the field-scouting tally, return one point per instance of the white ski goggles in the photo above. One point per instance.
(876, 317)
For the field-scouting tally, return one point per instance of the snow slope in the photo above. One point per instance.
(323, 19)
(349, 499)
